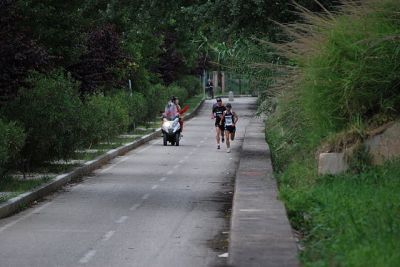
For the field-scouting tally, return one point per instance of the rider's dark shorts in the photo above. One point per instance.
(230, 129)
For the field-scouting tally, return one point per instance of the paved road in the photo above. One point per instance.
(156, 206)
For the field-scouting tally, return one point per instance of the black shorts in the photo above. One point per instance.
(230, 129)
(221, 127)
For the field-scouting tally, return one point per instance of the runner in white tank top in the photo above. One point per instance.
(229, 120)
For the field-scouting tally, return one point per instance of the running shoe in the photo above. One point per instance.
(228, 150)
(218, 147)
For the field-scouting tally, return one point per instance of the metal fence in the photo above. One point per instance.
(224, 82)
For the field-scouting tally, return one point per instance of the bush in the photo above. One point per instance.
(12, 138)
(156, 96)
(136, 105)
(49, 111)
(191, 84)
(179, 92)
(104, 117)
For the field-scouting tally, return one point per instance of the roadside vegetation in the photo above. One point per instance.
(326, 72)
(65, 71)
(16, 181)
(340, 81)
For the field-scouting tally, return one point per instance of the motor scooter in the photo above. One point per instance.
(171, 130)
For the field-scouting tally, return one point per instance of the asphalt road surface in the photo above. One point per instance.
(156, 206)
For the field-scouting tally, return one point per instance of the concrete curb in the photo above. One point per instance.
(260, 233)
(234, 96)
(23, 200)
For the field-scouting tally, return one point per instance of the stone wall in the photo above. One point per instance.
(383, 145)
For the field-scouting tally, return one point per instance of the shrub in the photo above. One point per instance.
(136, 105)
(104, 117)
(12, 138)
(49, 111)
(191, 84)
(156, 98)
(158, 95)
(179, 92)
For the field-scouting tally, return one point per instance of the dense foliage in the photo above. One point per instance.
(65, 67)
(49, 112)
(343, 81)
(12, 139)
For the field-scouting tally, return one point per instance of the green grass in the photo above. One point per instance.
(55, 168)
(348, 82)
(89, 156)
(17, 186)
(351, 219)
(192, 102)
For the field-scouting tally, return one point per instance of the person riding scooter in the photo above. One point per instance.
(171, 109)
(171, 116)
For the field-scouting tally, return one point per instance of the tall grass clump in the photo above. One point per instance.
(347, 71)
(346, 66)
(349, 63)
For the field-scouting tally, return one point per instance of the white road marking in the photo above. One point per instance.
(88, 256)
(251, 210)
(145, 196)
(123, 160)
(154, 187)
(181, 161)
(122, 219)
(202, 141)
(176, 166)
(223, 255)
(170, 172)
(186, 157)
(144, 149)
(163, 179)
(108, 235)
(107, 169)
(148, 145)
(135, 207)
(63, 231)
(10, 224)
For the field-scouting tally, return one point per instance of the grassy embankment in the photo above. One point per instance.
(348, 73)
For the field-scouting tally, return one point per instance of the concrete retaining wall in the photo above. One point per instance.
(384, 145)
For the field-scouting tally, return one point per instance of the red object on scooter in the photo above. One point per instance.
(185, 108)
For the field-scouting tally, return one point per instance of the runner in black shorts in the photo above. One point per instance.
(217, 112)
(229, 120)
